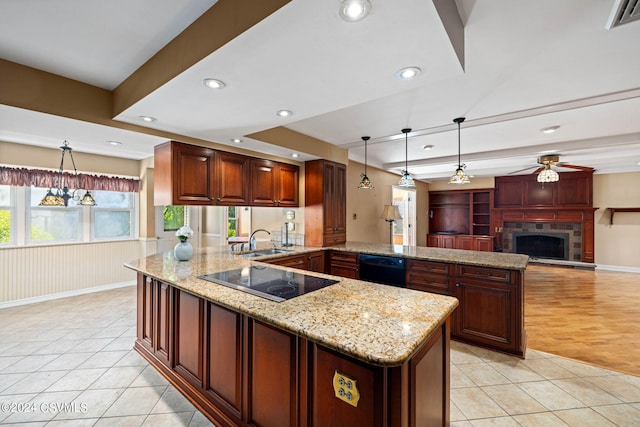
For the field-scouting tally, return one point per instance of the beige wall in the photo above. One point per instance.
(617, 244)
(367, 205)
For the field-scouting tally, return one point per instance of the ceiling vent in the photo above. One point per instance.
(624, 11)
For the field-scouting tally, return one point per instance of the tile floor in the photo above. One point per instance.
(70, 362)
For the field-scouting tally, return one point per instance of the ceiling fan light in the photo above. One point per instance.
(548, 175)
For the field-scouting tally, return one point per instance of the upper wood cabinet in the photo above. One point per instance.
(325, 203)
(574, 189)
(191, 175)
(274, 183)
(184, 174)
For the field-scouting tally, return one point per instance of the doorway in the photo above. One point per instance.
(404, 230)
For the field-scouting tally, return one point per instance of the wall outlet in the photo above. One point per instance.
(346, 388)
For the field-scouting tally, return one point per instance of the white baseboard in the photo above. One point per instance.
(66, 294)
(618, 268)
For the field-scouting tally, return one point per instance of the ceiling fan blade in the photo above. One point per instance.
(537, 171)
(582, 168)
(521, 170)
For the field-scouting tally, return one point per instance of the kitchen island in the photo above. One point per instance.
(353, 353)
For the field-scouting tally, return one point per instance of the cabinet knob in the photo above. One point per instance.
(219, 199)
(148, 279)
(458, 285)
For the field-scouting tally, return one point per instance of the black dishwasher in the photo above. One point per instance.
(383, 269)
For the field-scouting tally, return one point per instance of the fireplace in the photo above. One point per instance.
(542, 245)
(570, 234)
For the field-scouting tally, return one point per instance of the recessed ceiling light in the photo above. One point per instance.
(236, 140)
(550, 129)
(148, 119)
(408, 73)
(354, 10)
(213, 83)
(295, 155)
(284, 113)
(114, 142)
(427, 147)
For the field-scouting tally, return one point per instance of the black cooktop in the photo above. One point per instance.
(267, 282)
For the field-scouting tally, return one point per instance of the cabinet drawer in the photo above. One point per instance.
(484, 273)
(427, 266)
(296, 261)
(349, 257)
(418, 280)
(335, 239)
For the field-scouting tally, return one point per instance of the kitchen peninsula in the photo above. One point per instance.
(353, 353)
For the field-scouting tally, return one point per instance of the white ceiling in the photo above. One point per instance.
(527, 66)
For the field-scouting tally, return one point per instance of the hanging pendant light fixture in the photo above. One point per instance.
(406, 180)
(459, 177)
(61, 195)
(548, 175)
(365, 182)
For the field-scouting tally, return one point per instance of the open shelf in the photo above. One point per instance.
(614, 210)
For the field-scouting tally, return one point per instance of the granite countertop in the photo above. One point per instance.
(378, 324)
(484, 259)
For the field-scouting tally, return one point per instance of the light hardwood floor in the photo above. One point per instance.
(591, 316)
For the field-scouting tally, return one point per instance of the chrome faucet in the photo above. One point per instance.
(252, 240)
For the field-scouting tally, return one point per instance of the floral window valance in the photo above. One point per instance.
(47, 179)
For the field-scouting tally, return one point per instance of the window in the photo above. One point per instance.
(113, 216)
(52, 224)
(173, 217)
(233, 222)
(6, 215)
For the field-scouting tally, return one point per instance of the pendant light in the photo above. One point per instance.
(459, 177)
(365, 182)
(61, 196)
(406, 180)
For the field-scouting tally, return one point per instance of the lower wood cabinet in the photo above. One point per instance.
(240, 371)
(344, 264)
(313, 261)
(460, 241)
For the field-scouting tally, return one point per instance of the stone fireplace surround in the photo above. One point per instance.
(574, 231)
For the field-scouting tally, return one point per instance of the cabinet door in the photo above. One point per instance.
(433, 240)
(464, 242)
(224, 355)
(344, 264)
(146, 291)
(487, 313)
(273, 385)
(340, 197)
(263, 182)
(188, 340)
(287, 185)
(448, 242)
(163, 322)
(329, 199)
(194, 169)
(316, 262)
(232, 181)
(484, 244)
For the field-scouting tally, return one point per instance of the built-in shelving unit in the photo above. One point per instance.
(614, 210)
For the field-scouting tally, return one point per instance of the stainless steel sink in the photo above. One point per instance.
(264, 252)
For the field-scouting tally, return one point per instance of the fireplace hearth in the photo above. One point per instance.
(570, 234)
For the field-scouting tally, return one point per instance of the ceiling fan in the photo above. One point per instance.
(545, 163)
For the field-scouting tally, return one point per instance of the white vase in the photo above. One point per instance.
(183, 251)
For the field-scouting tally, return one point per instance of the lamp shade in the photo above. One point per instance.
(391, 213)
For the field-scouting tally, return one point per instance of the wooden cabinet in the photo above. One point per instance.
(573, 189)
(461, 241)
(274, 184)
(154, 302)
(314, 261)
(456, 217)
(184, 174)
(490, 310)
(325, 203)
(191, 175)
(430, 276)
(344, 264)
(232, 179)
